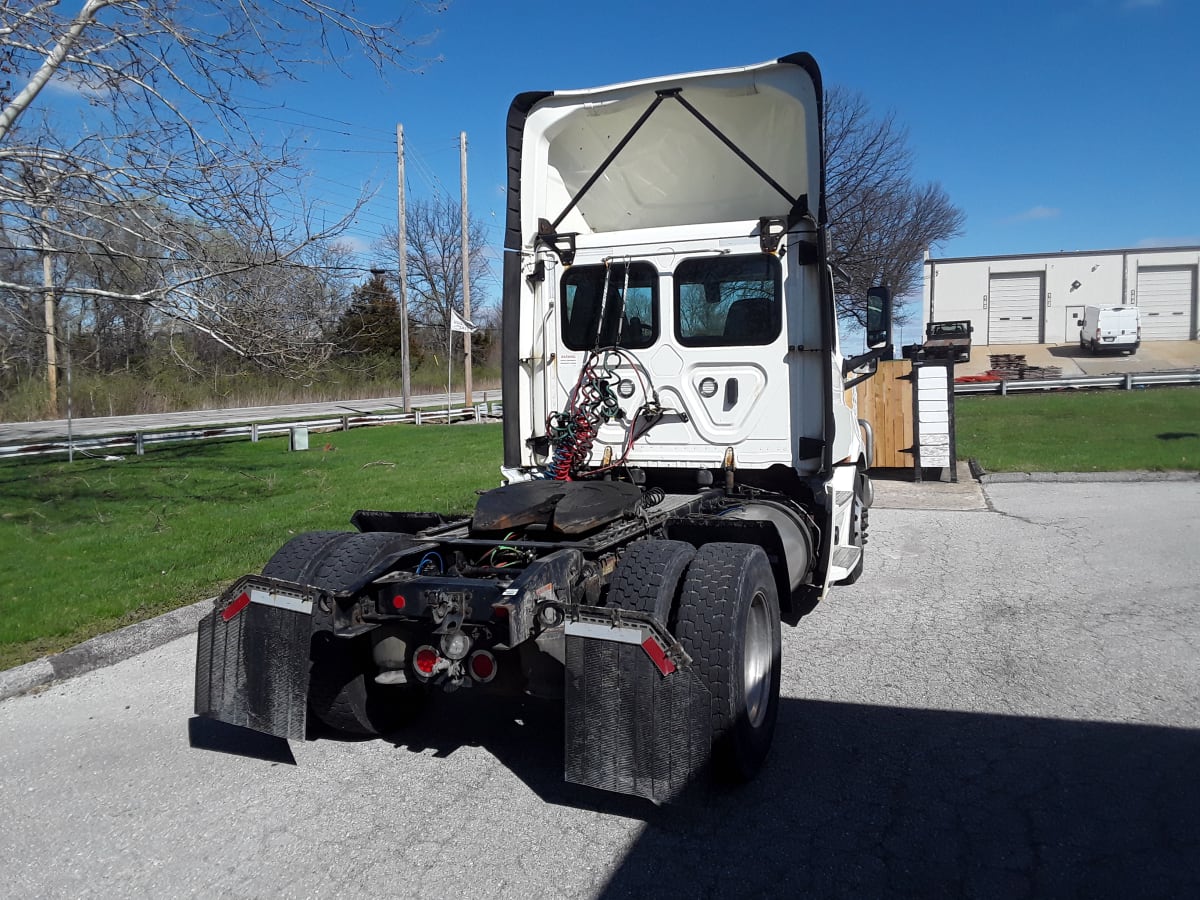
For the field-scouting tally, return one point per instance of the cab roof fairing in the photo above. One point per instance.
(673, 171)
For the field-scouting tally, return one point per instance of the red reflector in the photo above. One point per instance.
(425, 660)
(236, 606)
(399, 602)
(655, 652)
(483, 666)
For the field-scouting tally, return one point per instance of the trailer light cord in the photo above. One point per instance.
(593, 402)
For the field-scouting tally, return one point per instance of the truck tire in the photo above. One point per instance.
(299, 558)
(647, 577)
(342, 692)
(333, 560)
(728, 622)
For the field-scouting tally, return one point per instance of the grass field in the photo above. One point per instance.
(1104, 431)
(92, 545)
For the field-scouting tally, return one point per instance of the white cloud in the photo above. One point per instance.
(354, 243)
(70, 87)
(1190, 240)
(1035, 213)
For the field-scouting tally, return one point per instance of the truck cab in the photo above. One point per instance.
(948, 340)
(666, 243)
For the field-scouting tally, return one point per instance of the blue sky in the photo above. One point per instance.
(1055, 125)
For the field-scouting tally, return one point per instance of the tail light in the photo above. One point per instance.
(482, 666)
(1097, 333)
(427, 662)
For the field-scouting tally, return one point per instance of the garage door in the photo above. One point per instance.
(1164, 296)
(1015, 309)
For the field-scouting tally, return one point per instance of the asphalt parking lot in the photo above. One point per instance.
(1004, 706)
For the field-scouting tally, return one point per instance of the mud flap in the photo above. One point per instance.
(632, 727)
(252, 657)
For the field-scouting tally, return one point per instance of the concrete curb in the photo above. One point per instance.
(1084, 477)
(103, 650)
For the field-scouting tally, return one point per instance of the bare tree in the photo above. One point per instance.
(155, 83)
(435, 271)
(883, 220)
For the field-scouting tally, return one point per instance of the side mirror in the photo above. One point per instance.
(879, 336)
(879, 318)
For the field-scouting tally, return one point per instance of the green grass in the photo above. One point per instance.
(1105, 431)
(92, 545)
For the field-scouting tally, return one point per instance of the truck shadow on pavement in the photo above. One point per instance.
(863, 800)
(220, 737)
(867, 801)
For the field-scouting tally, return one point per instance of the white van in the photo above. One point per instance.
(1110, 328)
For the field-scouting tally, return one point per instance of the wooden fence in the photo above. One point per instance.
(886, 402)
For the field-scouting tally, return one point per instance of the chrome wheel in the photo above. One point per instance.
(757, 662)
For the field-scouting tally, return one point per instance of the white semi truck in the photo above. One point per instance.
(683, 468)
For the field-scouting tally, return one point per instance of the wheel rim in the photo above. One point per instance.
(758, 661)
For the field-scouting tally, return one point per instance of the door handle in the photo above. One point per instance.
(731, 392)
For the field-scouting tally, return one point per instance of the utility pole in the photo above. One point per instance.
(402, 240)
(466, 267)
(48, 304)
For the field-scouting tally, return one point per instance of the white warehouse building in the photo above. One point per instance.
(1039, 298)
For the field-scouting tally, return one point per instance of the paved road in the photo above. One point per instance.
(56, 429)
(1005, 706)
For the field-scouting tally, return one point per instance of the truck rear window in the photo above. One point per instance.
(723, 301)
(630, 315)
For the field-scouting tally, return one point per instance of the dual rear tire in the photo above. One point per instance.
(722, 604)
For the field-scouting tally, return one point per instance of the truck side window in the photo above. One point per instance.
(723, 301)
(630, 316)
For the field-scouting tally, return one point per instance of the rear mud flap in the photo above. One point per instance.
(630, 728)
(252, 657)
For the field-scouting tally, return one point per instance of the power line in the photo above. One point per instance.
(289, 263)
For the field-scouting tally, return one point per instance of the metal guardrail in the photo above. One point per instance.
(1127, 382)
(139, 440)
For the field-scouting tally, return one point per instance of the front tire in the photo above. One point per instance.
(728, 622)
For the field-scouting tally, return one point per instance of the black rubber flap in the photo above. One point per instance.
(568, 507)
(252, 670)
(630, 729)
